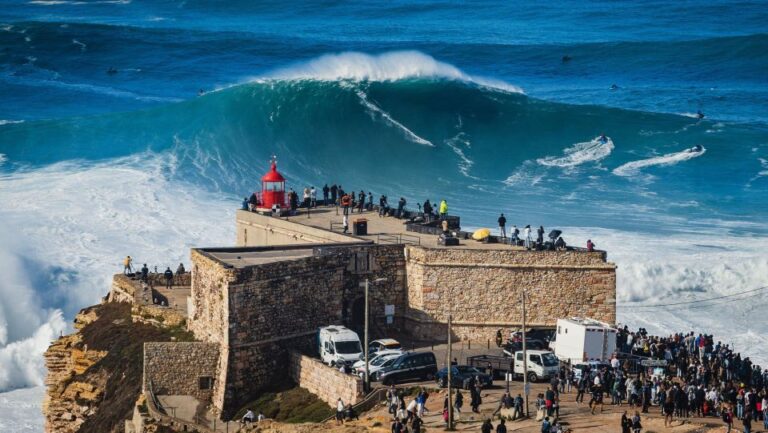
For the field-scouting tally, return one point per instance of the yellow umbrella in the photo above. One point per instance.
(481, 234)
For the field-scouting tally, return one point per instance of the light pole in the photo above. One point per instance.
(367, 382)
(525, 361)
(450, 377)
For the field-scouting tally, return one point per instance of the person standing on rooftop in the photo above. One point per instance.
(502, 226)
(443, 209)
(527, 236)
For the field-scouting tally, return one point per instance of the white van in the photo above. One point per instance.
(339, 345)
(542, 364)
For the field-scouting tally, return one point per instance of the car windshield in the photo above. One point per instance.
(379, 360)
(467, 370)
(550, 360)
(348, 347)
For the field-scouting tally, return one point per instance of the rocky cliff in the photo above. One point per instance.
(94, 375)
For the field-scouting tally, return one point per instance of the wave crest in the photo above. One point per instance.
(389, 66)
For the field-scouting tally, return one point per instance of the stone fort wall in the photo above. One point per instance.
(482, 289)
(177, 368)
(328, 384)
(259, 313)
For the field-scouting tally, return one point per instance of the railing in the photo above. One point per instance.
(370, 401)
(399, 238)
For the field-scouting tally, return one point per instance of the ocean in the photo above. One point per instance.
(136, 128)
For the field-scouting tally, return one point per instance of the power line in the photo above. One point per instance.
(672, 304)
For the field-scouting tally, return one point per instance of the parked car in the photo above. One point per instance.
(375, 361)
(382, 362)
(383, 344)
(461, 375)
(410, 367)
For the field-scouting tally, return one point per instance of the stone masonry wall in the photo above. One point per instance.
(209, 320)
(329, 384)
(176, 368)
(482, 289)
(254, 229)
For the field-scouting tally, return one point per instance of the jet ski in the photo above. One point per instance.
(695, 149)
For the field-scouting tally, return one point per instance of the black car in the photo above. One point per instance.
(410, 367)
(461, 375)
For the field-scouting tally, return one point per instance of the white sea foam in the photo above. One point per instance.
(9, 122)
(634, 167)
(375, 109)
(65, 229)
(79, 44)
(22, 410)
(390, 66)
(580, 153)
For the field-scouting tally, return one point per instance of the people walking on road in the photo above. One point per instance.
(168, 277)
(501, 427)
(127, 262)
(502, 226)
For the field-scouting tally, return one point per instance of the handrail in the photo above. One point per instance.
(367, 403)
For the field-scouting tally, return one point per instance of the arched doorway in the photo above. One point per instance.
(358, 314)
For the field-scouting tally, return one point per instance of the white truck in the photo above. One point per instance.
(542, 364)
(578, 340)
(339, 345)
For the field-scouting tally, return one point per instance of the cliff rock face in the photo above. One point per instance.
(95, 375)
(69, 402)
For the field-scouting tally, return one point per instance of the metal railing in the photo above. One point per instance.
(399, 238)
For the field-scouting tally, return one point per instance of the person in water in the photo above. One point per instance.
(603, 138)
(696, 148)
(614, 87)
(566, 58)
(699, 115)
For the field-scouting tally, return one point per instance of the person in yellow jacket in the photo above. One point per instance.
(127, 268)
(443, 209)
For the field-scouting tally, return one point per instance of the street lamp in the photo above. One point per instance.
(367, 284)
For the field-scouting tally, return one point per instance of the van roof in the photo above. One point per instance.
(339, 332)
(586, 321)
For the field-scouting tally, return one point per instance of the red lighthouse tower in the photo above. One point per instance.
(272, 190)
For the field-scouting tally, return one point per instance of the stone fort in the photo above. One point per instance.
(254, 306)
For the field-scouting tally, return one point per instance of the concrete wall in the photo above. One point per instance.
(254, 229)
(176, 368)
(329, 384)
(482, 289)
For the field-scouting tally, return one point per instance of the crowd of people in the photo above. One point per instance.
(696, 377)
(144, 271)
(407, 411)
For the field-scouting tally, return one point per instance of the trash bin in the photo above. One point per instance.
(360, 227)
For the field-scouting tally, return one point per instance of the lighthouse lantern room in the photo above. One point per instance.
(272, 190)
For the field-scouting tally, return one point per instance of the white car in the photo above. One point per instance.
(383, 354)
(375, 365)
(383, 344)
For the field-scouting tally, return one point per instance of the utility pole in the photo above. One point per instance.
(366, 383)
(450, 384)
(526, 388)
